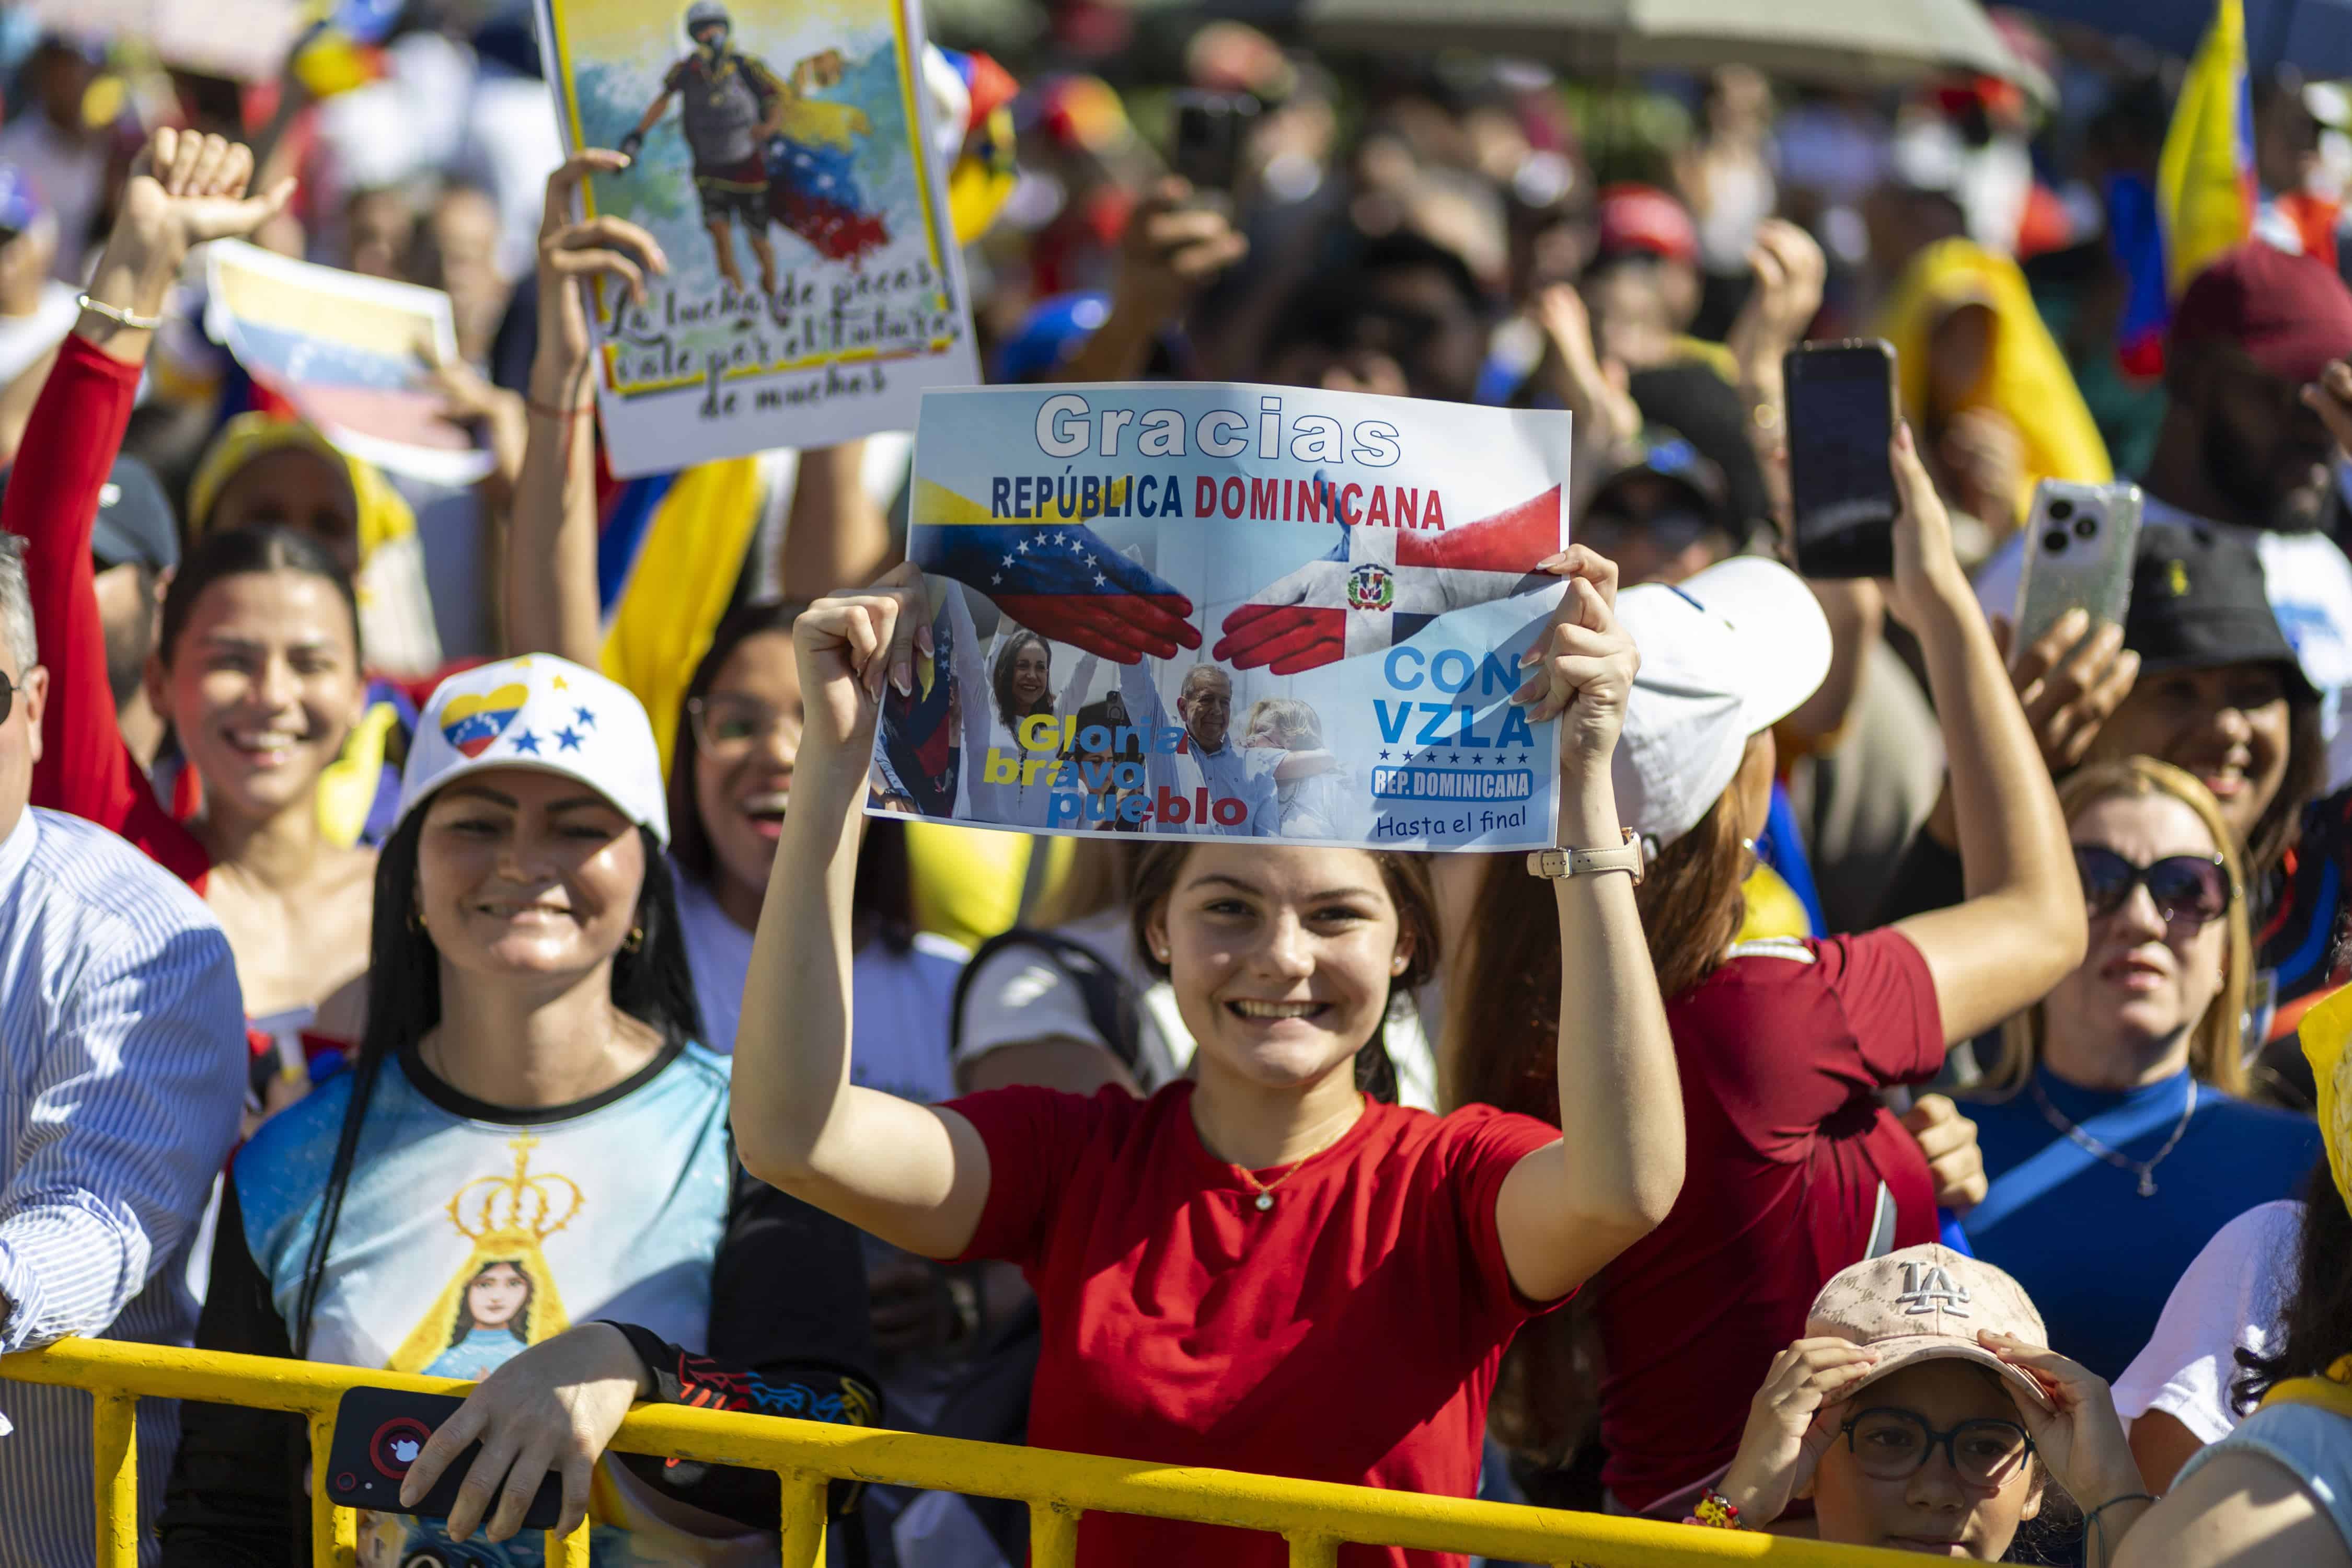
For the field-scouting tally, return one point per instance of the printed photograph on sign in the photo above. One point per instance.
(1175, 608)
(777, 156)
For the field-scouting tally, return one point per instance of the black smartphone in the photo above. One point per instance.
(1210, 128)
(379, 1432)
(1841, 413)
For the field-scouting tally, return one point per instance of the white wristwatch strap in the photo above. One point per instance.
(1557, 863)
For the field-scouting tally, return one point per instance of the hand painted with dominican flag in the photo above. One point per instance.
(1062, 582)
(1379, 586)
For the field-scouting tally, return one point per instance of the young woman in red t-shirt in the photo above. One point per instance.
(259, 664)
(1796, 1170)
(1259, 1268)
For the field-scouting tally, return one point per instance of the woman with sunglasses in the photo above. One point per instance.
(2111, 1122)
(1924, 1410)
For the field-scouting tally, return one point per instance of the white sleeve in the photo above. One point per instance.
(1020, 994)
(2229, 1298)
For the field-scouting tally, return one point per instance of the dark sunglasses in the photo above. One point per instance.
(2192, 887)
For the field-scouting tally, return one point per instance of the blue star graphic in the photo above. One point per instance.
(1384, 756)
(567, 738)
(525, 740)
(587, 719)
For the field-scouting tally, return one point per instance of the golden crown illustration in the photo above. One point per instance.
(520, 1205)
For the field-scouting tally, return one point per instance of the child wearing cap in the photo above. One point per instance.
(1924, 1410)
(1796, 1168)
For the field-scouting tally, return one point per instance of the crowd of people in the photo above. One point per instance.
(1912, 1109)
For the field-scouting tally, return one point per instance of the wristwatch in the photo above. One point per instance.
(1557, 863)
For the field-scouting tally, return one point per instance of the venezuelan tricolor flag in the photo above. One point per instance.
(2205, 196)
(669, 553)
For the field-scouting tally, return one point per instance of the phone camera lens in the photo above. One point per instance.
(2060, 510)
(2086, 526)
(2055, 541)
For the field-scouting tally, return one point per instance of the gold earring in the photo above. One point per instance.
(417, 921)
(637, 939)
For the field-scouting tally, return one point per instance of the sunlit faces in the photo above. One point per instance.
(262, 688)
(2231, 726)
(524, 874)
(2144, 979)
(295, 487)
(1281, 958)
(748, 733)
(1935, 1509)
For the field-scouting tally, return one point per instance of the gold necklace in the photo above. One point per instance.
(1264, 1190)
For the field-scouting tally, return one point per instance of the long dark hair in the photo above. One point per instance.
(1406, 879)
(2274, 832)
(235, 552)
(651, 983)
(2316, 1326)
(1001, 680)
(884, 896)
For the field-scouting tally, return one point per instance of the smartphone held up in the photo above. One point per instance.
(1841, 422)
(2079, 543)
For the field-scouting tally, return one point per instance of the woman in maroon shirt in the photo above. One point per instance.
(1795, 1168)
(1258, 1269)
(258, 668)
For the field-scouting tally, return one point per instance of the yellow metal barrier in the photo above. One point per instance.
(1314, 1517)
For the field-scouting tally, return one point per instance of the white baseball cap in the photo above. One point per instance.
(1733, 650)
(543, 712)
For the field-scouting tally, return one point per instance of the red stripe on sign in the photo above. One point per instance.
(1510, 541)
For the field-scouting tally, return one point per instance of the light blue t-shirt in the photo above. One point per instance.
(2316, 1445)
(470, 1231)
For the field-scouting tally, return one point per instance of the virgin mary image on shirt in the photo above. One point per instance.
(504, 1297)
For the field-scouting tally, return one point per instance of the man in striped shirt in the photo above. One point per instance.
(121, 1076)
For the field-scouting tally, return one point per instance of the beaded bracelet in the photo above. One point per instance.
(1716, 1511)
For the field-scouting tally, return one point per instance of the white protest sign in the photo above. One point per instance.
(815, 288)
(1259, 611)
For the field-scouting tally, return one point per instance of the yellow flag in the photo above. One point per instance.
(2204, 179)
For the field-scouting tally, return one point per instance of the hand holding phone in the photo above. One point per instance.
(2079, 544)
(380, 1434)
(1211, 129)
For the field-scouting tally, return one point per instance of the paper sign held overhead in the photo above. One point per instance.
(779, 160)
(1182, 608)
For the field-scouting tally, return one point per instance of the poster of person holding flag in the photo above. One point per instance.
(1291, 613)
(809, 285)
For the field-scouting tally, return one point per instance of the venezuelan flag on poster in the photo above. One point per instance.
(669, 551)
(2204, 199)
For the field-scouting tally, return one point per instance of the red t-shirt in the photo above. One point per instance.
(1782, 1052)
(1349, 1333)
(86, 768)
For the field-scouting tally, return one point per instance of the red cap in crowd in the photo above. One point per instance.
(2290, 313)
(1643, 220)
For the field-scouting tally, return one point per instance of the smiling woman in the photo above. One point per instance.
(2113, 1135)
(529, 1082)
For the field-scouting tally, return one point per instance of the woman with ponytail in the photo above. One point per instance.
(529, 1134)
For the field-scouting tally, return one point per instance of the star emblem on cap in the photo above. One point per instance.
(525, 740)
(587, 719)
(567, 738)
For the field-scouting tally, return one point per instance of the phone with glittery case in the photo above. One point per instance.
(2079, 542)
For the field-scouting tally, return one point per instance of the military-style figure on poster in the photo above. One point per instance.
(779, 155)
